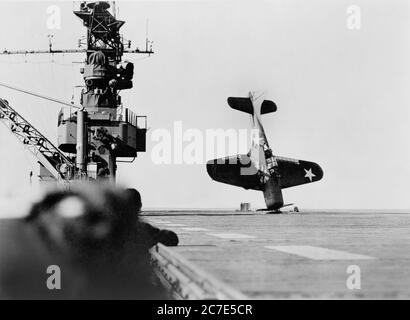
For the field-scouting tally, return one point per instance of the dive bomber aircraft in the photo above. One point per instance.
(260, 169)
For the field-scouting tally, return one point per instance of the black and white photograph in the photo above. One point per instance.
(205, 150)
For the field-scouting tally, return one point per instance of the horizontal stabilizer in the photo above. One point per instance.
(245, 105)
(268, 106)
(241, 104)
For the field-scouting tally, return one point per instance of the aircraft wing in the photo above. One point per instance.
(295, 172)
(239, 171)
(235, 170)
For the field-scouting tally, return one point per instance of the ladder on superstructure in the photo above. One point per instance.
(52, 158)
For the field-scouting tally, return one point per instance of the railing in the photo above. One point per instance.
(137, 121)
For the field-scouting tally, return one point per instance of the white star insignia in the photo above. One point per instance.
(309, 174)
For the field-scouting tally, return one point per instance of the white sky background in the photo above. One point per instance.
(342, 95)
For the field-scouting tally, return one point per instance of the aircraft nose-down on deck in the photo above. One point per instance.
(260, 169)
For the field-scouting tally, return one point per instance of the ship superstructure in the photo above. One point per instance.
(100, 130)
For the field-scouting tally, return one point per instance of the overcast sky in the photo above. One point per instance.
(342, 95)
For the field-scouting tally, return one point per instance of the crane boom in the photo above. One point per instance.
(53, 159)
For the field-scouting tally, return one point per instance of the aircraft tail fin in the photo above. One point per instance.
(246, 105)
